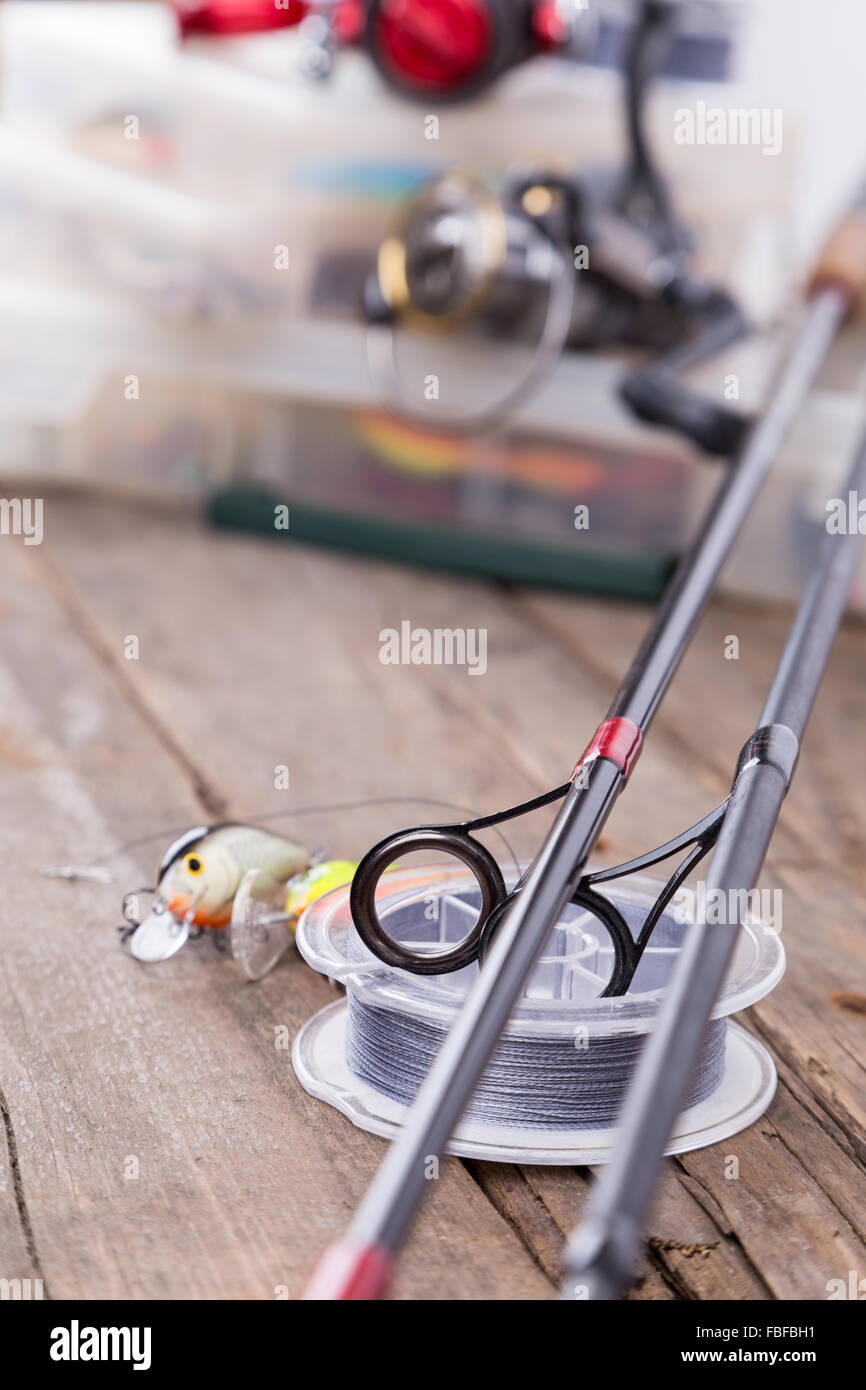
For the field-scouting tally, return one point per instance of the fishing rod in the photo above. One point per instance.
(601, 1254)
(358, 1266)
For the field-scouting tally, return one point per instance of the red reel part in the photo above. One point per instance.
(451, 49)
(225, 17)
(447, 49)
(550, 25)
(432, 46)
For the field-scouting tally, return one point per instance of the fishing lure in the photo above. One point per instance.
(196, 882)
(239, 876)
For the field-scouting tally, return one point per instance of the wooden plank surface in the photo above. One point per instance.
(105, 1065)
(254, 655)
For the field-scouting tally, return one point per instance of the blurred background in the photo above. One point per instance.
(194, 200)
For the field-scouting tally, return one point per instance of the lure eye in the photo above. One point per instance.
(193, 864)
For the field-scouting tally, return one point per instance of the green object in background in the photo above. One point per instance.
(515, 561)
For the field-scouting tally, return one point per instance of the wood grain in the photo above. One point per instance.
(110, 1069)
(254, 655)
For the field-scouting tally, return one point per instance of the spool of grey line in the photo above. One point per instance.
(553, 1088)
(530, 1083)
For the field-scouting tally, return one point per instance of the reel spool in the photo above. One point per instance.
(459, 259)
(553, 1088)
(553, 262)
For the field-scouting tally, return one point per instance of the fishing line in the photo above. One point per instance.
(467, 811)
(72, 871)
(529, 1083)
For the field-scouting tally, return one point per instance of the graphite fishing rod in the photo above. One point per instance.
(601, 1254)
(358, 1266)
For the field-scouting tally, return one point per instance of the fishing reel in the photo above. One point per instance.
(553, 251)
(558, 252)
(444, 49)
(567, 263)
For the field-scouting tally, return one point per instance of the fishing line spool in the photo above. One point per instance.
(554, 1086)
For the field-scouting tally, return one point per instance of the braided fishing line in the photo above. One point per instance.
(553, 1088)
(529, 1083)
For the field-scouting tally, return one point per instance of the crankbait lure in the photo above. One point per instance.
(196, 882)
(234, 875)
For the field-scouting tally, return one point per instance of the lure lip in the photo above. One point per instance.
(159, 934)
(260, 930)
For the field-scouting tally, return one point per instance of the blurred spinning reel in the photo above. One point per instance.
(605, 256)
(595, 262)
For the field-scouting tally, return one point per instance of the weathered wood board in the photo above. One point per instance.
(254, 656)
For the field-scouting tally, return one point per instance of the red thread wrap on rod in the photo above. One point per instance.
(619, 740)
(348, 1272)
